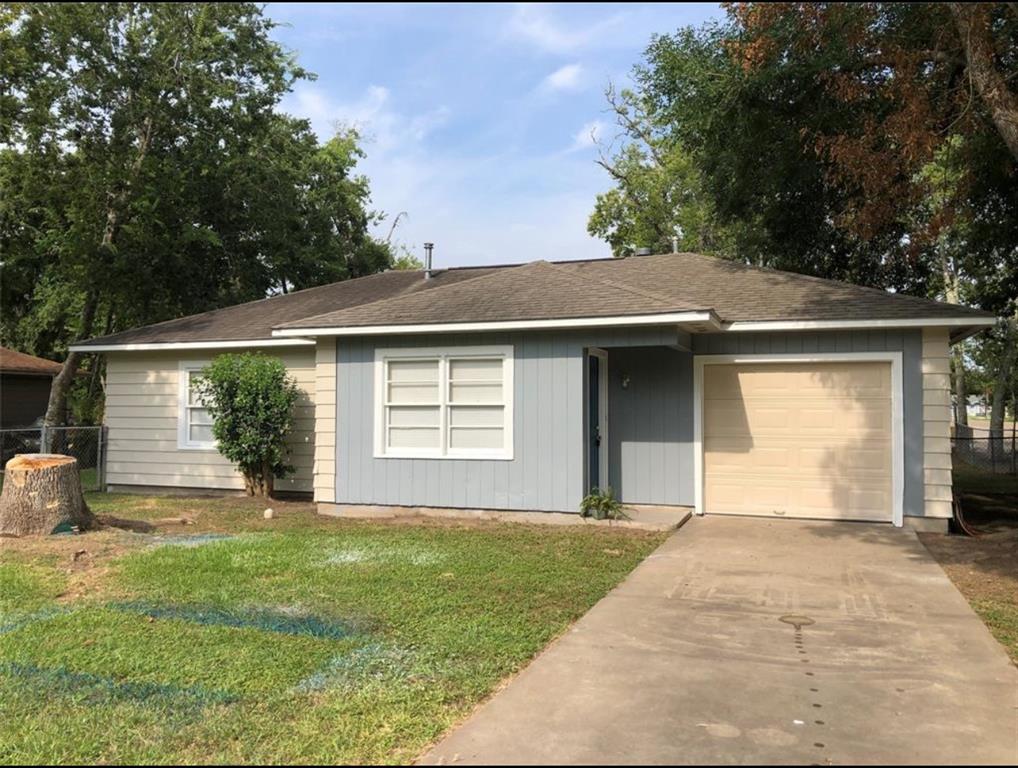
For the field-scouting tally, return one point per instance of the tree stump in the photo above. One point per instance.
(41, 494)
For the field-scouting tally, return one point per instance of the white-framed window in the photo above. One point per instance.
(450, 403)
(194, 425)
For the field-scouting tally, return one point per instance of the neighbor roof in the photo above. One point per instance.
(18, 362)
(730, 292)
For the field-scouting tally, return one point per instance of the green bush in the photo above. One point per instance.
(601, 504)
(250, 398)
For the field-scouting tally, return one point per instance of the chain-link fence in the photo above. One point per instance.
(86, 444)
(991, 451)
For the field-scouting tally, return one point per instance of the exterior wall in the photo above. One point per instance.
(936, 368)
(325, 421)
(548, 468)
(23, 399)
(650, 425)
(142, 412)
(908, 342)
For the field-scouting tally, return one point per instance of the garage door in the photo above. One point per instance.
(798, 440)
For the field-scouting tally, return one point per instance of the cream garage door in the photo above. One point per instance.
(798, 440)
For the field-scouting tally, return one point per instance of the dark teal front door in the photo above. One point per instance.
(594, 374)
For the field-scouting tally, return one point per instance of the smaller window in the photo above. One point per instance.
(194, 421)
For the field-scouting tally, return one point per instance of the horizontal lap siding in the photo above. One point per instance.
(908, 342)
(546, 472)
(142, 413)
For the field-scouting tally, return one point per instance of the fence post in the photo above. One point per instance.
(100, 474)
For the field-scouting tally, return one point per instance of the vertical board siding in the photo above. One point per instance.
(650, 427)
(908, 342)
(547, 469)
(142, 411)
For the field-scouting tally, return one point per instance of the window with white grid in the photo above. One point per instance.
(453, 403)
(194, 429)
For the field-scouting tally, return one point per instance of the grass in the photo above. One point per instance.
(985, 568)
(301, 639)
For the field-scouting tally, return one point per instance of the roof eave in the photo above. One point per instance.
(707, 318)
(169, 346)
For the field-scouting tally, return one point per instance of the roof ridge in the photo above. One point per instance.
(561, 267)
(405, 295)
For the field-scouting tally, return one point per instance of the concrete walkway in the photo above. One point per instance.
(688, 661)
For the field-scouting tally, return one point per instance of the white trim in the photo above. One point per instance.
(602, 414)
(803, 325)
(173, 345)
(184, 443)
(897, 412)
(443, 355)
(667, 318)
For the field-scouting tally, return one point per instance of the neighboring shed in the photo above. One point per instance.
(24, 387)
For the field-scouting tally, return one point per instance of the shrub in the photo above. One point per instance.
(250, 398)
(601, 504)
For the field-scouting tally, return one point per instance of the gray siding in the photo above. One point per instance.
(908, 342)
(547, 470)
(650, 422)
(650, 425)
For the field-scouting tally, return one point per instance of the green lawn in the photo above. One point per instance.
(301, 639)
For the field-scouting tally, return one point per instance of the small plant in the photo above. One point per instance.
(601, 504)
(250, 398)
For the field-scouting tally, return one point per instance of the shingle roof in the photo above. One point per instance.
(256, 319)
(535, 291)
(18, 362)
(638, 285)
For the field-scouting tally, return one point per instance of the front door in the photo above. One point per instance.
(597, 419)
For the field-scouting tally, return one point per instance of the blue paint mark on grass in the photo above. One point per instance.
(98, 689)
(268, 620)
(19, 622)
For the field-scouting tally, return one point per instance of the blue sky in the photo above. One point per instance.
(477, 117)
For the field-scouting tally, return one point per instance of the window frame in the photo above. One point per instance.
(443, 355)
(184, 408)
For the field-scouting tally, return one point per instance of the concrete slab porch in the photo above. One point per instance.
(707, 654)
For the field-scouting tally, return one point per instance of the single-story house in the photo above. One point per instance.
(24, 387)
(679, 380)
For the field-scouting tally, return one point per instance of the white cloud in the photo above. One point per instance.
(566, 78)
(589, 135)
(537, 25)
(382, 127)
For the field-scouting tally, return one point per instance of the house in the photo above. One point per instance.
(24, 388)
(680, 380)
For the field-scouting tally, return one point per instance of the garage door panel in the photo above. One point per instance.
(798, 440)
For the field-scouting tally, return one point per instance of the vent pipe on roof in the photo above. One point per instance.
(427, 260)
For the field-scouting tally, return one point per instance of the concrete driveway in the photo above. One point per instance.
(688, 661)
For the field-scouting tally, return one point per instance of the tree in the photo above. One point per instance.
(250, 398)
(864, 142)
(657, 201)
(146, 173)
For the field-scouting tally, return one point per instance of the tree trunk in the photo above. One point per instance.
(1005, 374)
(42, 494)
(56, 409)
(973, 23)
(953, 295)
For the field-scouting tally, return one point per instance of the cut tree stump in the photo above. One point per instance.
(41, 493)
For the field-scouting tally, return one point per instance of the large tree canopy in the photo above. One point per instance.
(146, 172)
(871, 142)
